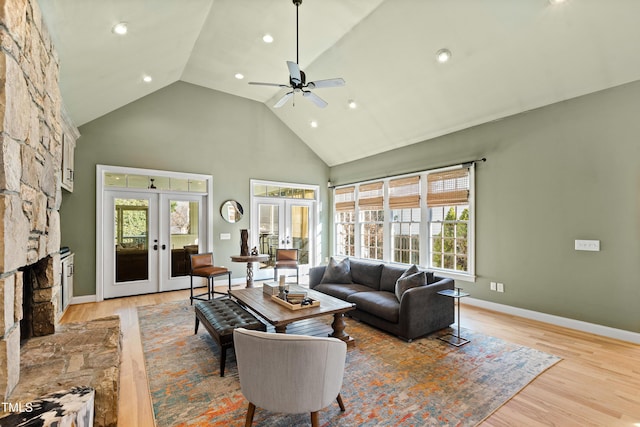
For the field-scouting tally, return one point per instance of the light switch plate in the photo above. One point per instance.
(588, 245)
(225, 236)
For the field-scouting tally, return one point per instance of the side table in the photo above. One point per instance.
(249, 259)
(454, 339)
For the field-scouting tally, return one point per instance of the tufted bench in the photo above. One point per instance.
(221, 317)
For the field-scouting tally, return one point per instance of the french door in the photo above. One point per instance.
(283, 223)
(147, 240)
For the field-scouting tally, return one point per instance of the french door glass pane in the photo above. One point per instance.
(184, 225)
(300, 232)
(131, 233)
(269, 228)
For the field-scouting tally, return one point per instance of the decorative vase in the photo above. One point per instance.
(244, 246)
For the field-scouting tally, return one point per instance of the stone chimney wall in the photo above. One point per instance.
(30, 155)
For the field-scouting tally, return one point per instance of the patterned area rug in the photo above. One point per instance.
(387, 381)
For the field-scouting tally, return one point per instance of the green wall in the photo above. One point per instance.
(187, 128)
(559, 173)
(563, 172)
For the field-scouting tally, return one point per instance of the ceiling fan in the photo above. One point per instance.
(297, 79)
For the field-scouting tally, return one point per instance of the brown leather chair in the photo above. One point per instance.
(286, 259)
(201, 265)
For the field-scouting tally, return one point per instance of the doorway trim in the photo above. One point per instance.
(315, 227)
(103, 170)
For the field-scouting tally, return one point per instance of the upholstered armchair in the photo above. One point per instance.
(289, 373)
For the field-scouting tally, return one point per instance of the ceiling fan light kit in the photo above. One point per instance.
(298, 81)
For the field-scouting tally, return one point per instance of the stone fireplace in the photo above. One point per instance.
(30, 192)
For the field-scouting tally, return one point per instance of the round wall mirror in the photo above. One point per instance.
(231, 211)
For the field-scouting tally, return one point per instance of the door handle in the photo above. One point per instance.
(155, 247)
(164, 247)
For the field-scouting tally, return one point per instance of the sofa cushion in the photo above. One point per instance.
(341, 291)
(382, 304)
(411, 278)
(390, 275)
(366, 273)
(431, 278)
(337, 272)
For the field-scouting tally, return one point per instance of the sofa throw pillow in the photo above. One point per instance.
(337, 272)
(410, 279)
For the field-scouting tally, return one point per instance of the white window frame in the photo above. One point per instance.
(425, 240)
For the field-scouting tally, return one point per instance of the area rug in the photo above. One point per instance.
(387, 381)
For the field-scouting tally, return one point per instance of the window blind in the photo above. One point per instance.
(345, 199)
(448, 188)
(370, 196)
(404, 193)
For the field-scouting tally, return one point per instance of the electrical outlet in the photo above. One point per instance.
(493, 286)
(500, 287)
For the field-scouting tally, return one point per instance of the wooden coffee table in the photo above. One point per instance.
(280, 316)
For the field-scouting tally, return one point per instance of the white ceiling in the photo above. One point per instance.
(508, 57)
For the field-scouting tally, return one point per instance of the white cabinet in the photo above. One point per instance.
(68, 151)
(69, 136)
(67, 280)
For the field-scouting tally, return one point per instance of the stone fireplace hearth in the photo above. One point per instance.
(30, 191)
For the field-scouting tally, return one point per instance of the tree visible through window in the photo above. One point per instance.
(449, 237)
(392, 220)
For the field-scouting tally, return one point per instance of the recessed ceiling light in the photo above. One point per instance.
(239, 76)
(147, 79)
(554, 2)
(267, 38)
(443, 55)
(120, 28)
(352, 104)
(313, 124)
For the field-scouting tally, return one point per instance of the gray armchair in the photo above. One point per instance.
(289, 373)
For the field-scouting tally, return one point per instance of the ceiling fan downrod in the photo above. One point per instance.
(297, 3)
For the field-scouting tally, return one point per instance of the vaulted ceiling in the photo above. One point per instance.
(507, 57)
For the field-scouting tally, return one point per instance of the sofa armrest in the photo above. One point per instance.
(315, 275)
(422, 306)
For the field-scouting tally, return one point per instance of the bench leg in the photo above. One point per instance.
(223, 359)
(197, 324)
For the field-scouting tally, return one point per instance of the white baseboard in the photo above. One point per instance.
(83, 299)
(579, 325)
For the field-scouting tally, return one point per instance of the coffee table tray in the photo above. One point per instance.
(290, 306)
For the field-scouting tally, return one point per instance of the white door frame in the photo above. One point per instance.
(133, 287)
(102, 170)
(283, 202)
(166, 282)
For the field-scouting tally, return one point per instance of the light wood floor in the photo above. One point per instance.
(596, 384)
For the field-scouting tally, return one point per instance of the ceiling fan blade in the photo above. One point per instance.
(326, 83)
(314, 98)
(269, 84)
(283, 100)
(294, 72)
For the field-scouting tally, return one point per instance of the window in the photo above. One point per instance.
(405, 232)
(448, 201)
(425, 219)
(345, 210)
(404, 202)
(370, 204)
